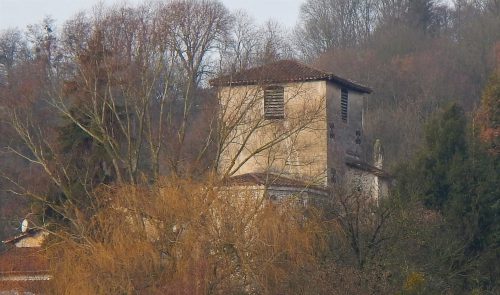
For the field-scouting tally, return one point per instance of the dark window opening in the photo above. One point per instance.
(332, 133)
(333, 175)
(344, 101)
(358, 137)
(274, 102)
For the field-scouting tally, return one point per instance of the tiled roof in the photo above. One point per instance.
(29, 233)
(270, 180)
(23, 261)
(358, 164)
(24, 287)
(24, 270)
(284, 71)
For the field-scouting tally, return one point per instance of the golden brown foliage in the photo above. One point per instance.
(180, 237)
(488, 115)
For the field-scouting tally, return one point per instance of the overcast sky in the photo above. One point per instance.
(19, 13)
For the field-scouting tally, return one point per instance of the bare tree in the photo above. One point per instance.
(249, 44)
(326, 24)
(193, 29)
(128, 78)
(274, 44)
(13, 47)
(240, 48)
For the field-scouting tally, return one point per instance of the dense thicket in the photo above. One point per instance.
(455, 176)
(119, 94)
(111, 109)
(418, 56)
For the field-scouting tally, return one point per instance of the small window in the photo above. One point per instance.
(344, 101)
(332, 132)
(274, 102)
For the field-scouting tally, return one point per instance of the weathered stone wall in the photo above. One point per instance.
(368, 184)
(342, 135)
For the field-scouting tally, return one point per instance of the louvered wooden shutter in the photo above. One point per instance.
(344, 101)
(274, 102)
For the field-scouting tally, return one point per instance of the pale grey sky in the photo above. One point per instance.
(19, 13)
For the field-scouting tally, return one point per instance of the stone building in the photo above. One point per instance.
(24, 266)
(294, 121)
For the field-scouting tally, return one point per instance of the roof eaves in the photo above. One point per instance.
(328, 77)
(218, 82)
(368, 168)
(272, 180)
(29, 233)
(350, 84)
(284, 71)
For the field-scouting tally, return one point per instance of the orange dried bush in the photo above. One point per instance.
(184, 237)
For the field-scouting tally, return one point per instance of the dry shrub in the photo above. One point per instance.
(182, 237)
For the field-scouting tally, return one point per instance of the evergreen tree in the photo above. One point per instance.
(456, 175)
(444, 154)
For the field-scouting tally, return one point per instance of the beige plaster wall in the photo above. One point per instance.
(295, 146)
(32, 241)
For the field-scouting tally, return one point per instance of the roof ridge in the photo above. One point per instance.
(284, 71)
(270, 64)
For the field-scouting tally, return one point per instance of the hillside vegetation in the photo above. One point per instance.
(110, 136)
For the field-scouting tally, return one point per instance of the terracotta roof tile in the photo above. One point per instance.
(284, 71)
(24, 269)
(23, 261)
(29, 233)
(358, 164)
(24, 287)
